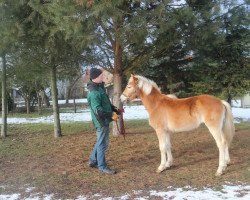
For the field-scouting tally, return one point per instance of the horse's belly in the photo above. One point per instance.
(183, 125)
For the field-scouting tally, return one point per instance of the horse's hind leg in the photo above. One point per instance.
(223, 150)
(168, 149)
(165, 148)
(227, 157)
(222, 163)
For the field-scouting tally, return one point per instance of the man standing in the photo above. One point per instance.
(102, 113)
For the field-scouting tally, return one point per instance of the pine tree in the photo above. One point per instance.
(118, 32)
(223, 67)
(29, 77)
(171, 54)
(8, 38)
(48, 44)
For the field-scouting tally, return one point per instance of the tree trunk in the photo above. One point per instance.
(117, 86)
(74, 102)
(13, 102)
(70, 86)
(229, 98)
(39, 103)
(27, 102)
(4, 100)
(57, 125)
(46, 100)
(68, 94)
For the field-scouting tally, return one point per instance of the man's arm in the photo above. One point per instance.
(97, 108)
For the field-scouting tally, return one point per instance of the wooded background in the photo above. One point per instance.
(187, 47)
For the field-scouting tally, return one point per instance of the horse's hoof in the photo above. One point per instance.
(169, 164)
(159, 171)
(224, 169)
(165, 167)
(218, 174)
(228, 163)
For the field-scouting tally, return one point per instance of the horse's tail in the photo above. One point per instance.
(228, 125)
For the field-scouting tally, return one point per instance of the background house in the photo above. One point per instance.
(245, 101)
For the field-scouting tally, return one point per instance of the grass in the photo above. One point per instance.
(44, 112)
(31, 157)
(242, 125)
(21, 113)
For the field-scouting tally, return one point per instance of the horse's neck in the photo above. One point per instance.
(150, 100)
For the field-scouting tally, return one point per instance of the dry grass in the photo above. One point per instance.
(59, 166)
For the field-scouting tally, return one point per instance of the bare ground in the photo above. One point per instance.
(59, 166)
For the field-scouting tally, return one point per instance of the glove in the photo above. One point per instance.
(115, 116)
(116, 110)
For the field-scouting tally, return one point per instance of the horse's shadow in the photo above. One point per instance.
(208, 153)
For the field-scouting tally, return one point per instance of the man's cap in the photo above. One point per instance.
(94, 73)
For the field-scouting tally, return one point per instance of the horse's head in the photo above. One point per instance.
(131, 90)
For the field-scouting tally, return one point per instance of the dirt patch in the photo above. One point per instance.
(59, 166)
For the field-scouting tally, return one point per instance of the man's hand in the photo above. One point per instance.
(115, 116)
(116, 110)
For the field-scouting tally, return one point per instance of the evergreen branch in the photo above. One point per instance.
(105, 42)
(36, 59)
(182, 61)
(89, 60)
(218, 17)
(75, 81)
(110, 23)
(107, 56)
(108, 34)
(136, 58)
(176, 5)
(230, 10)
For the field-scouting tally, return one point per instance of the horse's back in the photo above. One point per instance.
(187, 113)
(206, 102)
(205, 107)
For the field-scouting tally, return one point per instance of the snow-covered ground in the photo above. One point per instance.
(131, 112)
(229, 192)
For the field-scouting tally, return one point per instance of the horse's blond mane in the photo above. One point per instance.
(146, 85)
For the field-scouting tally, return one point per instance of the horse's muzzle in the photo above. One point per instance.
(123, 98)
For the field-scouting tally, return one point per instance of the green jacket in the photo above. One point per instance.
(100, 105)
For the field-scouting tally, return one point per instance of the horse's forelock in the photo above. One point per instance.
(146, 85)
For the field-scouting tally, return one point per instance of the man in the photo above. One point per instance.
(102, 113)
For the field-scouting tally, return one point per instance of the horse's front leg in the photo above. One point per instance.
(165, 147)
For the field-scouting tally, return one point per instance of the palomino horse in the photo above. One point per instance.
(168, 114)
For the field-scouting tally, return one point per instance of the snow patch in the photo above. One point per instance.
(228, 192)
(131, 113)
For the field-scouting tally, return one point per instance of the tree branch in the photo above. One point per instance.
(136, 58)
(108, 34)
(107, 57)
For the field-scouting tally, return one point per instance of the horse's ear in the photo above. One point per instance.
(135, 79)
